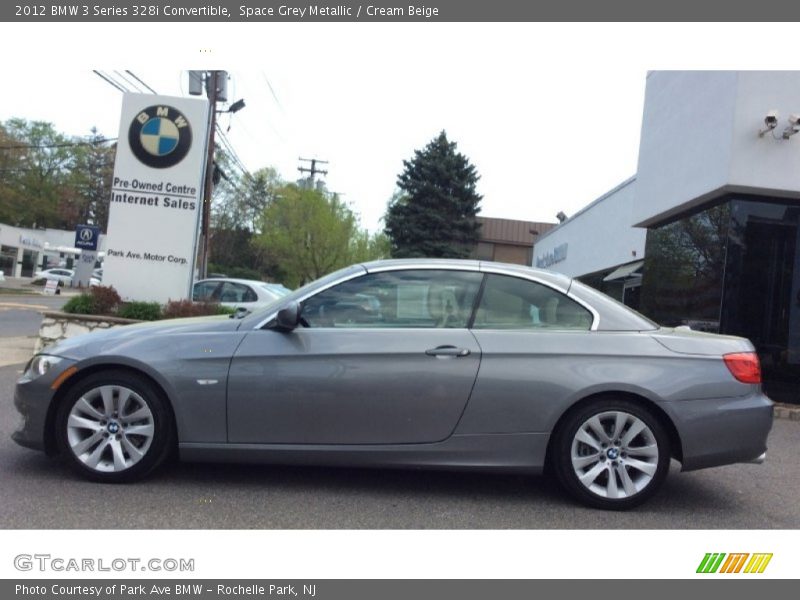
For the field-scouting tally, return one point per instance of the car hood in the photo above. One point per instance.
(106, 340)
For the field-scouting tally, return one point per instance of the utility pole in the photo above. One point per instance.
(313, 170)
(209, 185)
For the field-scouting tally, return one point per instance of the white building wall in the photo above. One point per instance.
(599, 237)
(769, 164)
(49, 242)
(700, 139)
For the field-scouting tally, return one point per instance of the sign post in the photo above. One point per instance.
(156, 197)
(86, 239)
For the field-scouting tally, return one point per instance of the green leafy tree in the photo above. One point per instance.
(10, 165)
(434, 213)
(34, 182)
(238, 205)
(310, 233)
(240, 199)
(50, 180)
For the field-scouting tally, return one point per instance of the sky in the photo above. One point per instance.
(549, 114)
(527, 124)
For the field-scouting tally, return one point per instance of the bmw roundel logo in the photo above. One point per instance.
(160, 136)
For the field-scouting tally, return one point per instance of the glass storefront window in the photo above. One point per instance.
(733, 269)
(684, 269)
(8, 260)
(762, 289)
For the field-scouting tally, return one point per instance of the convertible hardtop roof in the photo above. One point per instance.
(556, 279)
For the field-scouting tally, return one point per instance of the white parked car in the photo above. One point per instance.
(237, 293)
(63, 276)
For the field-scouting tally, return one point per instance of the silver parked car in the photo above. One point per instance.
(424, 363)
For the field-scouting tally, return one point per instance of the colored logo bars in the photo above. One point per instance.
(713, 563)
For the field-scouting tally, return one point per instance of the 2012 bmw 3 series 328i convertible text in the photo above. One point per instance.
(415, 363)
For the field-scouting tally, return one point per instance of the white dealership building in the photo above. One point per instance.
(24, 250)
(707, 232)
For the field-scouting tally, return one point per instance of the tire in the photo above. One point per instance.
(110, 442)
(603, 469)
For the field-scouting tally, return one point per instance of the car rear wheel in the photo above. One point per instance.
(114, 426)
(611, 454)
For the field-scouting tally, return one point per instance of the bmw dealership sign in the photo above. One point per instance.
(156, 199)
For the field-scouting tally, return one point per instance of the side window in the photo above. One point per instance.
(249, 294)
(236, 292)
(201, 292)
(419, 298)
(514, 303)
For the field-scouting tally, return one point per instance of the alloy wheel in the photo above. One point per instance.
(110, 428)
(614, 454)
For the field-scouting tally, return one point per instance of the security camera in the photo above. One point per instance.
(791, 130)
(771, 120)
(794, 119)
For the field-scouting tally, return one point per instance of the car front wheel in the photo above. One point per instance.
(114, 426)
(611, 454)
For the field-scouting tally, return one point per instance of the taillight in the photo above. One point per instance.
(744, 366)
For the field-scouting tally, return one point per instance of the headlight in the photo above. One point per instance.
(41, 364)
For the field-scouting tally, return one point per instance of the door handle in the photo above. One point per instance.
(447, 351)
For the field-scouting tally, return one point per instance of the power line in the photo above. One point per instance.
(109, 81)
(56, 168)
(63, 145)
(230, 149)
(272, 91)
(140, 81)
(129, 82)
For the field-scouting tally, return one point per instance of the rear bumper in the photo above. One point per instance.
(722, 431)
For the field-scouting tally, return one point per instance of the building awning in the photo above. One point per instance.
(624, 271)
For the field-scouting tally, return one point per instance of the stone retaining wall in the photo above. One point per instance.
(57, 326)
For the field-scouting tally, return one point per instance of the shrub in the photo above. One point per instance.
(244, 273)
(106, 299)
(177, 309)
(82, 304)
(215, 270)
(143, 311)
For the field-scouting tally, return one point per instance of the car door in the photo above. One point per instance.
(535, 340)
(385, 358)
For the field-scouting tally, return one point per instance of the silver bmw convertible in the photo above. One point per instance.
(420, 363)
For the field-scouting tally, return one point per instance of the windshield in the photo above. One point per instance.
(276, 288)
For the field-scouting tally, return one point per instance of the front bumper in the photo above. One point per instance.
(32, 399)
(722, 431)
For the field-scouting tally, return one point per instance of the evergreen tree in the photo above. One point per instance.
(90, 177)
(434, 213)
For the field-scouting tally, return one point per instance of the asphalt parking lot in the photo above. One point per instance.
(38, 492)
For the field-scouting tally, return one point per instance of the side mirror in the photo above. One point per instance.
(288, 317)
